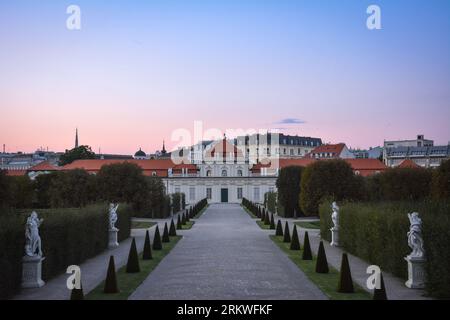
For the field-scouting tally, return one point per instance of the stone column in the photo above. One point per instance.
(32, 272)
(416, 272)
(113, 242)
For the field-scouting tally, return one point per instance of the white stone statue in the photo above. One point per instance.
(335, 215)
(113, 216)
(415, 240)
(32, 239)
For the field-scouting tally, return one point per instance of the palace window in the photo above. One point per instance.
(239, 173)
(192, 193)
(224, 173)
(208, 173)
(239, 193)
(256, 194)
(208, 193)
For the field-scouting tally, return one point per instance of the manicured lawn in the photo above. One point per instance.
(128, 282)
(309, 224)
(142, 224)
(188, 225)
(328, 283)
(262, 225)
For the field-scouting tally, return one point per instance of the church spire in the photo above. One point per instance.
(76, 138)
(163, 148)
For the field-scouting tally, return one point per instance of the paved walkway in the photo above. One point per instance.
(226, 256)
(93, 271)
(395, 287)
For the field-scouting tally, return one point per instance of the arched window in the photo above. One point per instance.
(208, 173)
(224, 173)
(239, 173)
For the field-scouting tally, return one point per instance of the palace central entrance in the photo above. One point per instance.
(224, 195)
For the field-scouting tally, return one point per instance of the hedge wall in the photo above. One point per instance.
(69, 236)
(270, 201)
(376, 232)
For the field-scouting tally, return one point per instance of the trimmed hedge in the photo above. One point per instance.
(288, 186)
(376, 232)
(270, 201)
(69, 236)
(178, 202)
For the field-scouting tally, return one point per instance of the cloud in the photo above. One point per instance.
(290, 121)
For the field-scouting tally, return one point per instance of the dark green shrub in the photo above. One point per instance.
(147, 253)
(178, 201)
(330, 178)
(295, 243)
(380, 294)
(266, 218)
(133, 259)
(22, 192)
(288, 187)
(440, 186)
(398, 184)
(307, 254)
(179, 224)
(165, 236)
(111, 279)
(287, 235)
(272, 222)
(42, 184)
(345, 276)
(157, 245)
(270, 201)
(279, 230)
(78, 153)
(172, 229)
(12, 243)
(322, 262)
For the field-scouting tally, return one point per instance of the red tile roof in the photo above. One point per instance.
(408, 163)
(160, 166)
(329, 148)
(44, 166)
(16, 173)
(366, 164)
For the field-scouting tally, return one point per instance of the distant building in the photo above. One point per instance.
(426, 157)
(331, 151)
(18, 163)
(372, 153)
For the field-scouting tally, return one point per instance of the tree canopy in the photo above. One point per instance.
(79, 153)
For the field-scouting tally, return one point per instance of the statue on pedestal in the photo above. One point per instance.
(335, 215)
(32, 238)
(113, 216)
(415, 240)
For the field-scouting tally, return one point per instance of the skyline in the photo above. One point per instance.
(138, 71)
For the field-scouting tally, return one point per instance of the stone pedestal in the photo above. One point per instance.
(113, 243)
(32, 272)
(334, 237)
(416, 273)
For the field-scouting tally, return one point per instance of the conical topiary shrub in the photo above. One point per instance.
(77, 294)
(157, 245)
(307, 254)
(287, 235)
(179, 225)
(295, 243)
(380, 294)
(111, 279)
(172, 229)
(187, 216)
(147, 253)
(183, 218)
(272, 222)
(345, 278)
(165, 236)
(263, 215)
(267, 219)
(279, 230)
(133, 259)
(322, 262)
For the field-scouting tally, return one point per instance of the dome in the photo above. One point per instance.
(140, 153)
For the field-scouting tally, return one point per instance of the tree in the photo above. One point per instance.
(441, 181)
(288, 185)
(22, 192)
(408, 184)
(328, 178)
(5, 189)
(79, 153)
(73, 188)
(42, 185)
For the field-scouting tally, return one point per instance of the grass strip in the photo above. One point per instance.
(327, 282)
(129, 282)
